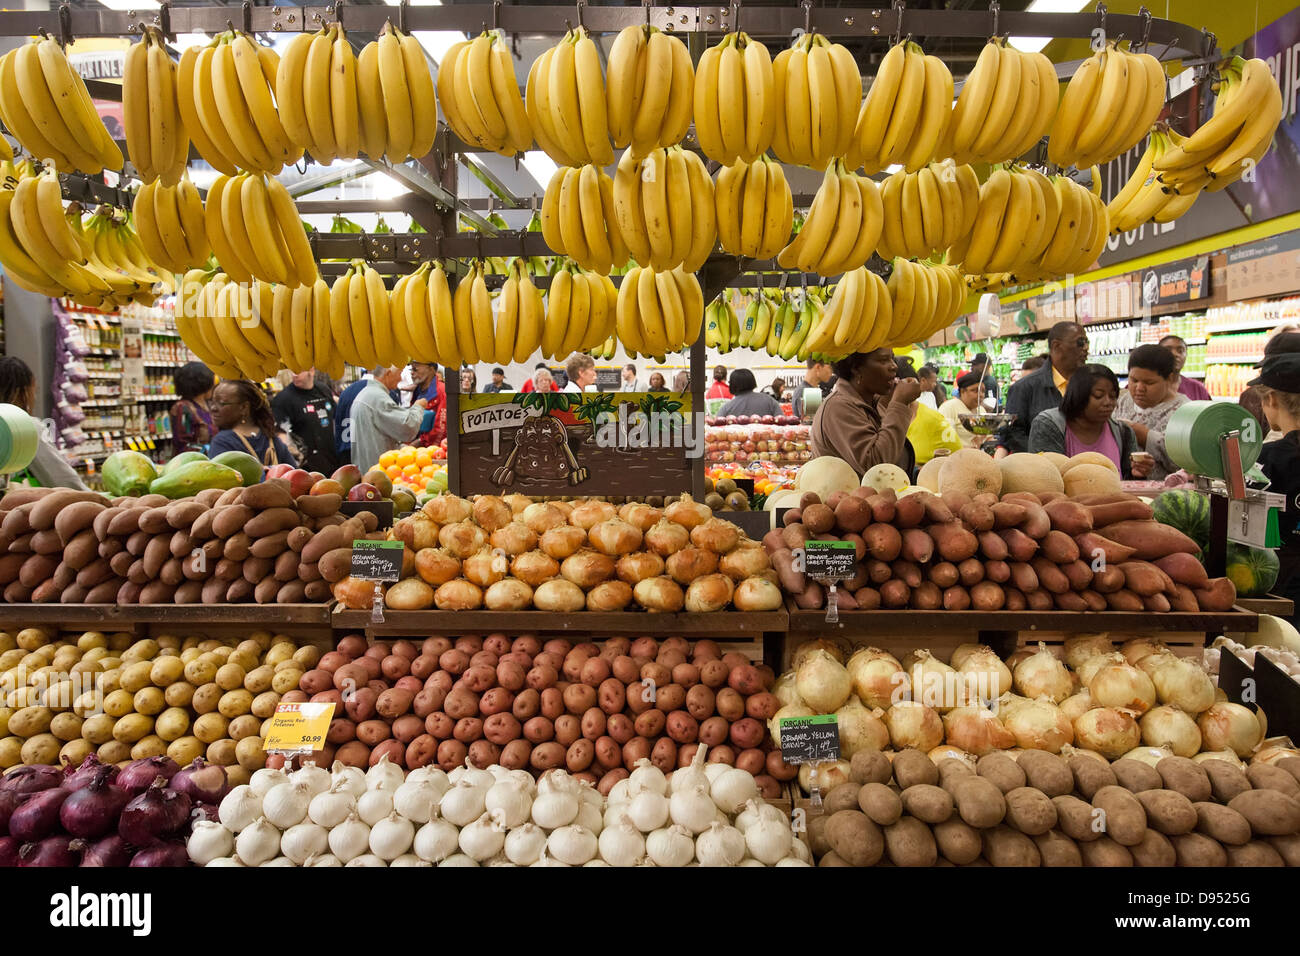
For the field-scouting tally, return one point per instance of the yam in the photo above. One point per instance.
(1069, 517)
(1059, 548)
(75, 518)
(992, 546)
(1150, 540)
(1095, 548)
(917, 546)
(953, 542)
(1020, 547)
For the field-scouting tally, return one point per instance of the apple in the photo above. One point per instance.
(347, 476)
(364, 492)
(328, 486)
(300, 481)
(279, 471)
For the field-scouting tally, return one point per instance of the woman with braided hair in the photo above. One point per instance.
(243, 415)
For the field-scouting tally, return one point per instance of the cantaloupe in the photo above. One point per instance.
(1062, 462)
(971, 472)
(1034, 473)
(885, 476)
(781, 498)
(1090, 479)
(928, 476)
(826, 475)
(911, 490)
(1090, 458)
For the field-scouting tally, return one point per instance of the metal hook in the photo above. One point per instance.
(338, 12)
(165, 21)
(735, 16)
(248, 17)
(1101, 19)
(995, 8)
(401, 15)
(807, 15)
(899, 5)
(645, 5)
(65, 23)
(496, 15)
(1145, 14)
(579, 5)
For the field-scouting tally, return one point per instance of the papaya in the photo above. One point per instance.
(184, 458)
(244, 463)
(127, 473)
(194, 476)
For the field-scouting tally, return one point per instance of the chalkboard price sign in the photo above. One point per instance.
(810, 739)
(829, 560)
(377, 560)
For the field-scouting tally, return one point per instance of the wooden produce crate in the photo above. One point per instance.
(305, 622)
(1268, 604)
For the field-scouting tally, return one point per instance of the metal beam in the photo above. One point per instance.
(327, 176)
(418, 179)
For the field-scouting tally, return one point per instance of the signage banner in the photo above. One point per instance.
(1185, 280)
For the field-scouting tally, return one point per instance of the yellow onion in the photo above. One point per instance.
(615, 536)
(1077, 704)
(462, 538)
(1136, 648)
(587, 568)
(949, 752)
(447, 509)
(1184, 683)
(562, 541)
(559, 595)
(667, 538)
(1095, 663)
(1225, 755)
(860, 728)
(983, 675)
(491, 513)
(1151, 663)
(745, 561)
(912, 724)
(962, 651)
(876, 675)
(1228, 726)
(1067, 752)
(543, 515)
(565, 507)
(458, 595)
(587, 513)
(1042, 675)
(514, 538)
(785, 690)
(817, 644)
(517, 503)
(934, 683)
(638, 566)
(508, 594)
(417, 531)
(823, 682)
(485, 568)
(1039, 725)
(1167, 726)
(534, 567)
(659, 594)
(1108, 730)
(609, 596)
(1009, 703)
(1274, 749)
(1120, 684)
(976, 729)
(641, 515)
(789, 710)
(686, 565)
(687, 512)
(716, 534)
(436, 565)
(829, 775)
(755, 594)
(709, 593)
(1148, 755)
(1080, 647)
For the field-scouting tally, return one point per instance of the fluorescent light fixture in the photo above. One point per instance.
(1034, 44)
(436, 43)
(540, 166)
(130, 4)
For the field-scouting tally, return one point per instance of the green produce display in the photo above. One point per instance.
(244, 463)
(1253, 570)
(1186, 510)
(128, 473)
(191, 477)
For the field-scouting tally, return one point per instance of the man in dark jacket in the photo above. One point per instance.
(1067, 345)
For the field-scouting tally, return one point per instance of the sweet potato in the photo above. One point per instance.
(926, 596)
(977, 517)
(943, 573)
(859, 545)
(1059, 548)
(970, 572)
(1069, 517)
(1015, 601)
(1124, 600)
(1036, 523)
(1132, 509)
(1040, 600)
(1150, 540)
(987, 596)
(868, 599)
(1023, 577)
(1020, 546)
(1050, 576)
(1093, 546)
(792, 581)
(884, 542)
(1158, 603)
(1008, 514)
(1183, 568)
(894, 593)
(882, 507)
(907, 572)
(1108, 579)
(1145, 579)
(852, 514)
(954, 542)
(936, 510)
(878, 571)
(992, 546)
(1069, 601)
(1184, 600)
(998, 572)
(1221, 595)
(1078, 573)
(812, 597)
(956, 599)
(917, 545)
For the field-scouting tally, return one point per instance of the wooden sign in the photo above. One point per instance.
(572, 443)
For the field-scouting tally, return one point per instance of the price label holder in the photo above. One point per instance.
(812, 740)
(378, 561)
(298, 728)
(829, 562)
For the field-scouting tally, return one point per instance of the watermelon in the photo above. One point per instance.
(1253, 570)
(1186, 510)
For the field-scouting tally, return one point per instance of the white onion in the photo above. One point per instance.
(511, 799)
(263, 780)
(303, 840)
(415, 799)
(1120, 684)
(648, 810)
(554, 809)
(258, 842)
(316, 778)
(823, 682)
(240, 807)
(646, 776)
(621, 844)
(1042, 675)
(384, 775)
(279, 861)
(768, 840)
(720, 845)
(209, 841)
(409, 859)
(693, 809)
(435, 841)
(573, 845)
(366, 859)
(431, 774)
(285, 805)
(524, 844)
(332, 807)
(1039, 725)
(1167, 726)
(323, 859)
(464, 803)
(1109, 731)
(349, 839)
(1228, 726)
(460, 859)
(732, 789)
(352, 778)
(484, 838)
(670, 846)
(391, 836)
(374, 805)
(589, 817)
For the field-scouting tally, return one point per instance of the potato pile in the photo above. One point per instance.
(124, 698)
(1038, 809)
(1020, 551)
(244, 544)
(594, 710)
(512, 553)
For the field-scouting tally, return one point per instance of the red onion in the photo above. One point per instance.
(164, 854)
(38, 816)
(78, 777)
(204, 812)
(139, 775)
(52, 851)
(154, 814)
(201, 782)
(31, 779)
(9, 802)
(92, 811)
(110, 851)
(9, 851)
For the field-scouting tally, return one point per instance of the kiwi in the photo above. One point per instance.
(708, 485)
(714, 501)
(737, 501)
(725, 486)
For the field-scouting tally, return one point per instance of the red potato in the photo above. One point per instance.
(515, 754)
(595, 671)
(664, 754)
(650, 723)
(634, 751)
(351, 754)
(479, 678)
(360, 704)
(496, 643)
(511, 676)
(568, 728)
(722, 753)
(552, 702)
(760, 706)
(713, 731)
(371, 732)
(421, 752)
(353, 646)
(687, 675)
(745, 680)
(682, 727)
(341, 731)
(700, 701)
(571, 669)
(752, 760)
(546, 756)
(747, 732)
(407, 727)
(470, 729)
(656, 674)
(501, 728)
(579, 756)
(593, 723)
(297, 697)
(470, 644)
(327, 697)
(620, 727)
(539, 730)
(608, 781)
(578, 698)
(350, 677)
(395, 702)
(640, 696)
(461, 703)
(706, 650)
(483, 754)
(646, 647)
(423, 666)
(528, 703)
(611, 695)
(332, 661)
(434, 646)
(626, 669)
(609, 753)
(441, 680)
(439, 725)
(548, 659)
(526, 644)
(495, 700)
(454, 661)
(378, 650)
(670, 697)
(315, 681)
(714, 674)
(413, 684)
(1059, 548)
(484, 658)
(1069, 517)
(541, 677)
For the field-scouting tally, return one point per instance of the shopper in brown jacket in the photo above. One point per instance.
(865, 418)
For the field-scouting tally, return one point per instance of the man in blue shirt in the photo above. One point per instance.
(343, 419)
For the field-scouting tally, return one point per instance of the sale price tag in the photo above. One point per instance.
(377, 560)
(812, 740)
(829, 560)
(298, 727)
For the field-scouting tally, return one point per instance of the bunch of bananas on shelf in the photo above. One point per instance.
(225, 95)
(171, 223)
(842, 228)
(1247, 110)
(754, 208)
(1006, 106)
(663, 204)
(928, 210)
(857, 318)
(361, 321)
(565, 102)
(1145, 198)
(649, 89)
(658, 311)
(228, 325)
(777, 322)
(1108, 106)
(300, 321)
(820, 87)
(422, 316)
(156, 138)
(254, 229)
(906, 114)
(45, 105)
(736, 106)
(479, 95)
(580, 314)
(926, 298)
(520, 316)
(578, 219)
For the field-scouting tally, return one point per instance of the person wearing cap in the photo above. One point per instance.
(1278, 387)
(498, 383)
(1279, 343)
(970, 392)
(982, 364)
(1148, 401)
(1194, 390)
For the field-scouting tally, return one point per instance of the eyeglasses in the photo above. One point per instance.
(226, 404)
(1081, 343)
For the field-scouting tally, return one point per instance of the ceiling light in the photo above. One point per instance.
(1034, 44)
(540, 166)
(436, 43)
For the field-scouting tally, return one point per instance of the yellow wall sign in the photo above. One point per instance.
(298, 727)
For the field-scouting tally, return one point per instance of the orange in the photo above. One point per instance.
(406, 456)
(423, 456)
(387, 458)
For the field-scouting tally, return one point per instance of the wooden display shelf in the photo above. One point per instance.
(595, 622)
(1268, 604)
(115, 615)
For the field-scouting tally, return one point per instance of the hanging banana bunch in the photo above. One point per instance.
(664, 207)
(580, 312)
(735, 101)
(1006, 106)
(156, 137)
(905, 118)
(754, 208)
(300, 321)
(229, 326)
(925, 299)
(819, 85)
(928, 210)
(1145, 198)
(171, 224)
(520, 316)
(659, 312)
(1074, 238)
(361, 321)
(195, 323)
(578, 219)
(1016, 219)
(422, 316)
(480, 98)
(721, 325)
(472, 317)
(842, 228)
(45, 105)
(254, 229)
(649, 90)
(857, 318)
(1108, 106)
(565, 102)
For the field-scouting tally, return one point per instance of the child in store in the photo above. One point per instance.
(1278, 386)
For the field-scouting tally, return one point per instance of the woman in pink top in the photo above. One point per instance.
(1084, 423)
